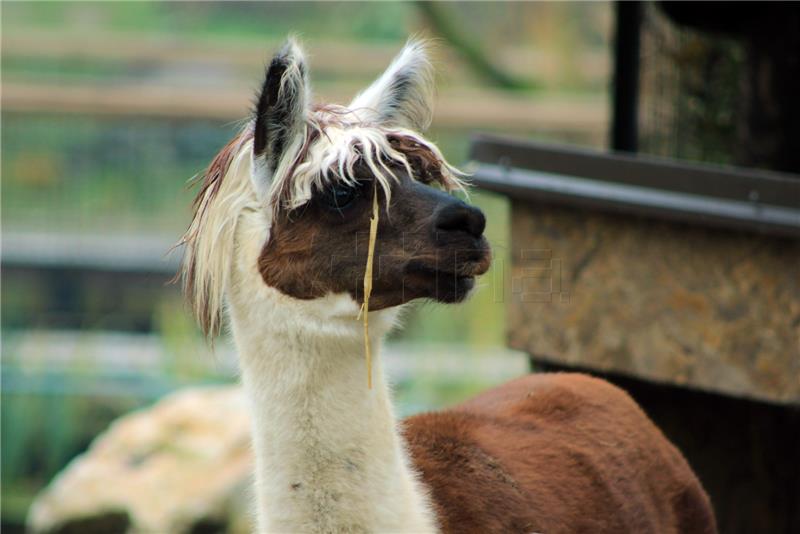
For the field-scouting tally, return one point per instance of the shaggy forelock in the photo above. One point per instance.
(336, 142)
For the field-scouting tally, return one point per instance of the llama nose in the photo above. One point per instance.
(461, 217)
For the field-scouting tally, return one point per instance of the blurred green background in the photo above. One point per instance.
(109, 108)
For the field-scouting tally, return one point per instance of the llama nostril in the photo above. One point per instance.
(461, 218)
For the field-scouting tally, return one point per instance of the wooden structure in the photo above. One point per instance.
(70, 281)
(681, 283)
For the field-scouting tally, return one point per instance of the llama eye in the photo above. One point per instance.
(339, 196)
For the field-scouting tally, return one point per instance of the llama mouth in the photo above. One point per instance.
(466, 272)
(446, 286)
(470, 267)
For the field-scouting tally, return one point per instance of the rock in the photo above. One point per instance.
(182, 465)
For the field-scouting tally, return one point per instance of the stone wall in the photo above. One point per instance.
(715, 310)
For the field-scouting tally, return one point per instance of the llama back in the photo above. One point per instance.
(584, 458)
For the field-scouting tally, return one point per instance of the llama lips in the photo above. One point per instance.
(451, 287)
(446, 285)
(475, 268)
(468, 264)
(464, 270)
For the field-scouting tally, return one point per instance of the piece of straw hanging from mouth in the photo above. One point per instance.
(373, 234)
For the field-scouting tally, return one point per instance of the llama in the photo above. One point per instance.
(279, 243)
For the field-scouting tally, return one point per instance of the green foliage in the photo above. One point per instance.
(82, 173)
(439, 17)
(45, 69)
(372, 21)
(48, 422)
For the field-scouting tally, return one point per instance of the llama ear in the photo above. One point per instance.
(280, 112)
(403, 95)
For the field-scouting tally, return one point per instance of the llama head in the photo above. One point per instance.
(287, 203)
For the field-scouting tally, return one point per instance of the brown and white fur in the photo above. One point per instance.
(279, 240)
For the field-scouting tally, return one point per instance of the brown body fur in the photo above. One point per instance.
(555, 453)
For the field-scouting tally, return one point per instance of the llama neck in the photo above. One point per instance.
(328, 454)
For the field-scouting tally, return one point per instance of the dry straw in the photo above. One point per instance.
(373, 234)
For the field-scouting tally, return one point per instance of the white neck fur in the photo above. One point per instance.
(329, 457)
